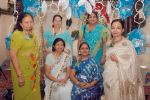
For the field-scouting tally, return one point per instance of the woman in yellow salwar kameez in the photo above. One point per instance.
(24, 53)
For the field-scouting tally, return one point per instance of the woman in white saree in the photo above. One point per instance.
(57, 70)
(122, 78)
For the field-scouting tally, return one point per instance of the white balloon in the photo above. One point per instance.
(68, 13)
(44, 7)
(88, 7)
(82, 2)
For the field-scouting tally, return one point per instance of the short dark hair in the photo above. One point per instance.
(56, 41)
(83, 44)
(19, 20)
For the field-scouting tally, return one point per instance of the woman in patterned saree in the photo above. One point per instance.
(24, 53)
(122, 78)
(95, 35)
(57, 71)
(86, 76)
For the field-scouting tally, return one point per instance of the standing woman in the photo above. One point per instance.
(122, 78)
(56, 32)
(86, 76)
(57, 70)
(24, 53)
(95, 35)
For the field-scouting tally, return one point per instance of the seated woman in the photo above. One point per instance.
(57, 71)
(86, 76)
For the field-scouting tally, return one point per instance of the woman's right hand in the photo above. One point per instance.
(62, 81)
(82, 84)
(21, 81)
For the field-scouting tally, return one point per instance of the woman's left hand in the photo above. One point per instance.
(88, 85)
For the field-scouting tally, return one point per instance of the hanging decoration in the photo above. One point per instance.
(125, 8)
(138, 39)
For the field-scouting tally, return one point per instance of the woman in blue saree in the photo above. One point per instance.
(86, 76)
(95, 35)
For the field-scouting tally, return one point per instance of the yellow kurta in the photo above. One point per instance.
(27, 55)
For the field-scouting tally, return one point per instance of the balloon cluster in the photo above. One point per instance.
(138, 39)
(31, 6)
(125, 8)
(77, 11)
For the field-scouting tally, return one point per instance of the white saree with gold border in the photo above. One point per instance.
(122, 80)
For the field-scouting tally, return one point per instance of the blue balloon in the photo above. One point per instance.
(77, 11)
(146, 8)
(138, 39)
(125, 7)
(31, 6)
